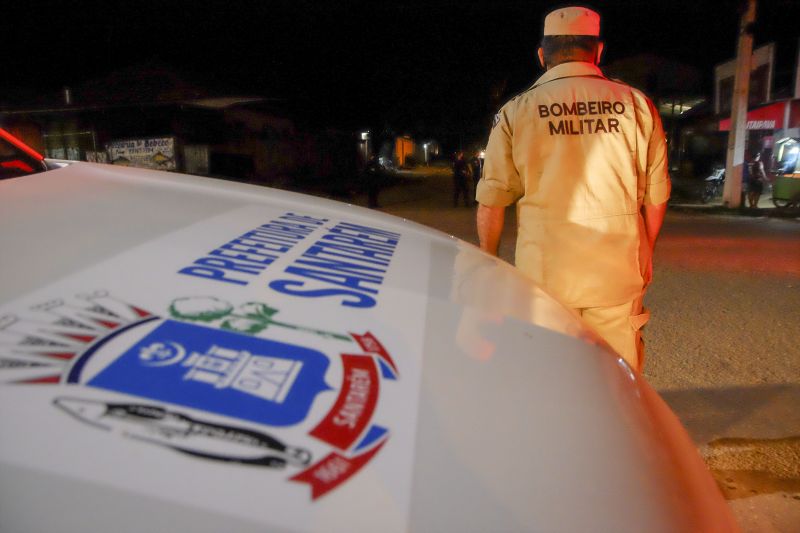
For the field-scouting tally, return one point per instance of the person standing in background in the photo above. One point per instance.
(461, 176)
(476, 166)
(757, 177)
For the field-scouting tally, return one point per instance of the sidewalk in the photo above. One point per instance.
(686, 198)
(413, 187)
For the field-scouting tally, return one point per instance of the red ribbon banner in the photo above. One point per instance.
(332, 471)
(370, 344)
(354, 407)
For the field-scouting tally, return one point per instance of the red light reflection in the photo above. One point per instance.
(737, 254)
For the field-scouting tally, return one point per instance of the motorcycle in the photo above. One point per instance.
(713, 185)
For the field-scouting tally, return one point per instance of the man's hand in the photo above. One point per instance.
(647, 275)
(653, 219)
(490, 227)
(653, 216)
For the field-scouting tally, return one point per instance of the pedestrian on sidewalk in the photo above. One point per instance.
(589, 206)
(757, 177)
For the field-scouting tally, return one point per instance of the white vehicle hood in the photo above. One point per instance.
(181, 353)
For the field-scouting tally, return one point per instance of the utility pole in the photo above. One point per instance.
(734, 162)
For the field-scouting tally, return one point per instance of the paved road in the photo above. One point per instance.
(723, 344)
(725, 354)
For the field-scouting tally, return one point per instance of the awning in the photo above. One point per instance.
(769, 117)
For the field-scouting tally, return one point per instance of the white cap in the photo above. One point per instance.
(572, 21)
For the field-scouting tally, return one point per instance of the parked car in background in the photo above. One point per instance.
(186, 354)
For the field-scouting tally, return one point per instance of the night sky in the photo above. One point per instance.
(429, 67)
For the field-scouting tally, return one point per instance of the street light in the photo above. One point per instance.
(365, 144)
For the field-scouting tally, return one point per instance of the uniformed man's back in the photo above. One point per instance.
(584, 158)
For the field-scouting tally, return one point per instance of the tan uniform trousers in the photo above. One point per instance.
(621, 327)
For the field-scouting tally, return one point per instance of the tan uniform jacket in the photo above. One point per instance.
(579, 154)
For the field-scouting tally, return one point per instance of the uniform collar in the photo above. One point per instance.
(569, 70)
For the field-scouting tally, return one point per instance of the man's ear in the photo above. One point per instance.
(540, 55)
(600, 47)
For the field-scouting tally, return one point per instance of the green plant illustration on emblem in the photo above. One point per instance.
(249, 318)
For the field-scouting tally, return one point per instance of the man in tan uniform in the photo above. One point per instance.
(584, 159)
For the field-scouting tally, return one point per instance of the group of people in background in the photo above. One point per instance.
(466, 175)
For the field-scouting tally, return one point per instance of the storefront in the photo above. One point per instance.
(774, 131)
(768, 124)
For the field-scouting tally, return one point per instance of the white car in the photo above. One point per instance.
(188, 354)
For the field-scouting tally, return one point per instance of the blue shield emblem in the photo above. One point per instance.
(240, 376)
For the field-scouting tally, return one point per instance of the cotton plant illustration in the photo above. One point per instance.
(249, 318)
